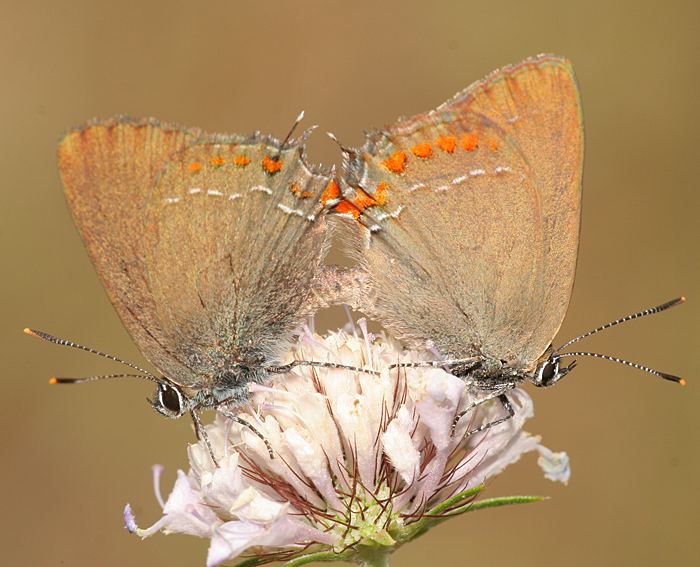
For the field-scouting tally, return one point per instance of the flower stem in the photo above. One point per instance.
(320, 556)
(454, 506)
(373, 556)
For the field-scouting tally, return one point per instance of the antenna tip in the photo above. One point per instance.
(53, 380)
(28, 331)
(681, 299)
(682, 382)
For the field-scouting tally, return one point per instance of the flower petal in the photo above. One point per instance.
(555, 466)
(398, 445)
(230, 540)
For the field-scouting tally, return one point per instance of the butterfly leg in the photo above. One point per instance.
(247, 424)
(202, 434)
(467, 363)
(505, 402)
(287, 367)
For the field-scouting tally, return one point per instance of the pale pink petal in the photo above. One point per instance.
(398, 445)
(313, 462)
(438, 404)
(185, 510)
(555, 466)
(252, 506)
(230, 540)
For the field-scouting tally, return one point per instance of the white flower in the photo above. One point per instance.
(359, 459)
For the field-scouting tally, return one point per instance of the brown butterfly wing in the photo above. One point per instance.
(235, 239)
(471, 215)
(108, 170)
(198, 282)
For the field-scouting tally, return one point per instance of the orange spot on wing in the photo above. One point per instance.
(362, 199)
(380, 194)
(346, 207)
(396, 163)
(330, 193)
(270, 165)
(217, 161)
(493, 144)
(194, 167)
(297, 192)
(423, 150)
(469, 142)
(241, 161)
(447, 143)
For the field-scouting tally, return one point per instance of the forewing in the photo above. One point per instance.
(235, 239)
(108, 170)
(471, 215)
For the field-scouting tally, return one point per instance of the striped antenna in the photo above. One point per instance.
(663, 375)
(644, 313)
(64, 380)
(64, 342)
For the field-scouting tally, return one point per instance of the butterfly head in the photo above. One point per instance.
(549, 371)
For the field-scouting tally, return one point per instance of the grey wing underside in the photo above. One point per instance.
(475, 251)
(232, 253)
(108, 169)
(196, 277)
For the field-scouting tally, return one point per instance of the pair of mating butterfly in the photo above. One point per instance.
(464, 222)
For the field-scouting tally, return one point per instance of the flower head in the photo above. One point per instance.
(360, 461)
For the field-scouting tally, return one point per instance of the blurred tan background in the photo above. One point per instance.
(73, 456)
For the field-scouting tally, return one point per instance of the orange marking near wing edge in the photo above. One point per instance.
(241, 161)
(270, 165)
(423, 150)
(381, 193)
(396, 163)
(446, 143)
(493, 144)
(346, 207)
(362, 199)
(297, 192)
(217, 161)
(469, 142)
(194, 167)
(330, 193)
(358, 203)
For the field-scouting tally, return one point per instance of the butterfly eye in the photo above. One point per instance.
(547, 373)
(169, 401)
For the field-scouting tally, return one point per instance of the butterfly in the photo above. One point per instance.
(210, 248)
(465, 224)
